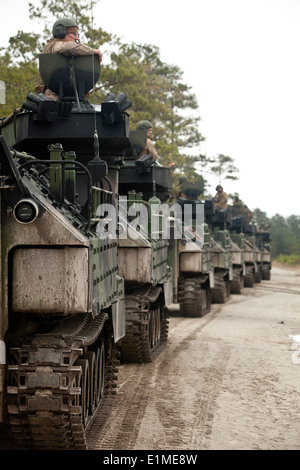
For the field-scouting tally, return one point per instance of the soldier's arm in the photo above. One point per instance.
(74, 49)
(151, 149)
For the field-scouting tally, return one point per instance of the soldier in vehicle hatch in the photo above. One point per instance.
(240, 208)
(237, 206)
(220, 199)
(65, 40)
(149, 149)
(182, 180)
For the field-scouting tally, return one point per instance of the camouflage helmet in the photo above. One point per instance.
(218, 187)
(182, 179)
(144, 125)
(59, 29)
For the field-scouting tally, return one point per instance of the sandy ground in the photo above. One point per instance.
(229, 380)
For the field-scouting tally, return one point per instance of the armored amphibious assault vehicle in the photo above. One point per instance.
(190, 256)
(263, 242)
(92, 256)
(63, 271)
(143, 252)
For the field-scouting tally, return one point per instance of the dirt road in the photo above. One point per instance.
(229, 380)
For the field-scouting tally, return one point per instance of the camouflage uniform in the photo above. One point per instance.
(180, 193)
(66, 48)
(149, 149)
(237, 207)
(248, 213)
(220, 200)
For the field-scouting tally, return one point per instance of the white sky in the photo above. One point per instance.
(241, 58)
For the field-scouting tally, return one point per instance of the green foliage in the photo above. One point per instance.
(19, 62)
(48, 11)
(155, 88)
(285, 235)
(158, 95)
(223, 167)
(24, 46)
(288, 259)
(19, 80)
(260, 217)
(157, 92)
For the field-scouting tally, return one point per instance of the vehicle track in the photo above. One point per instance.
(284, 290)
(223, 381)
(156, 391)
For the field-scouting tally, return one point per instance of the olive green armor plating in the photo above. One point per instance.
(63, 299)
(191, 256)
(143, 253)
(93, 255)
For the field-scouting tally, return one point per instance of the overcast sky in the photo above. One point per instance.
(241, 59)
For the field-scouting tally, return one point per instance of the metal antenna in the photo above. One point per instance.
(96, 137)
(96, 145)
(154, 188)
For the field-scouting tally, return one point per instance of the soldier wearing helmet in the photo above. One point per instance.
(182, 179)
(149, 149)
(220, 199)
(239, 208)
(65, 40)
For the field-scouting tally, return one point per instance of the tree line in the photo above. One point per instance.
(156, 89)
(285, 235)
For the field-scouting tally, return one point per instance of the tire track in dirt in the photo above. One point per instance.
(185, 413)
(152, 409)
(117, 424)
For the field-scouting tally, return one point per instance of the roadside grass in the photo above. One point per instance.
(291, 260)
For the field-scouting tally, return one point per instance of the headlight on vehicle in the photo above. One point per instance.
(26, 211)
